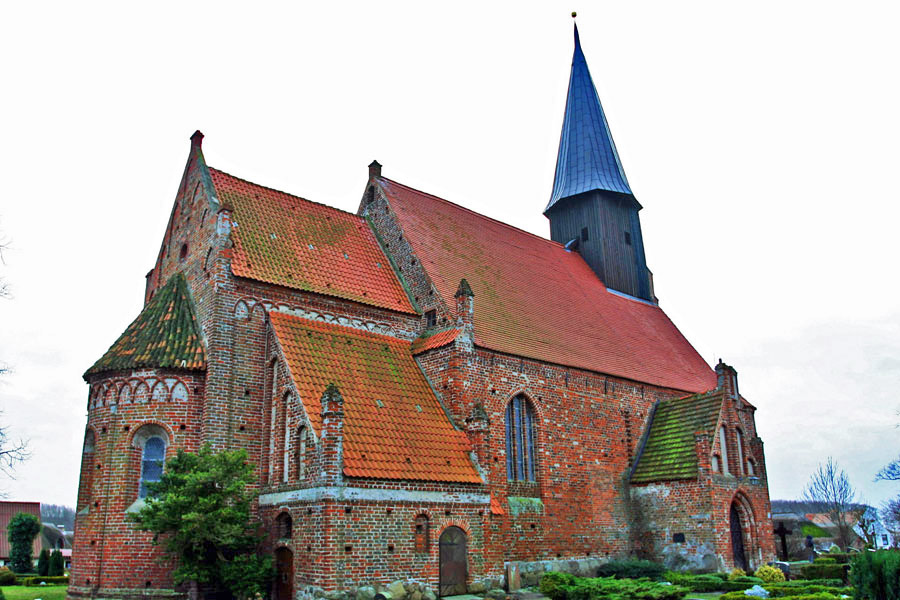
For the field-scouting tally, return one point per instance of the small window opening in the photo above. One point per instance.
(284, 526)
(430, 318)
(678, 538)
(182, 254)
(628, 238)
(422, 534)
(584, 234)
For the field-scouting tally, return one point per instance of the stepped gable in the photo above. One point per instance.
(533, 298)
(286, 240)
(394, 425)
(164, 335)
(670, 452)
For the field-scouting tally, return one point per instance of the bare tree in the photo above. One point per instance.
(12, 452)
(890, 472)
(890, 515)
(830, 486)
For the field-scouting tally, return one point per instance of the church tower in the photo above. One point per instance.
(592, 208)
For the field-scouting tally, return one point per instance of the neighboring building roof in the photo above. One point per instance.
(164, 335)
(394, 425)
(286, 240)
(670, 452)
(587, 158)
(535, 299)
(7, 511)
(430, 341)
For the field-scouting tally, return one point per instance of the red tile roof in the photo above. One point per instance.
(434, 340)
(7, 511)
(394, 426)
(535, 299)
(289, 241)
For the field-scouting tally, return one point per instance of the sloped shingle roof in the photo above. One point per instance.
(438, 339)
(394, 426)
(165, 335)
(670, 452)
(535, 299)
(286, 240)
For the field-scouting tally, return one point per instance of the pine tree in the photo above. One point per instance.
(57, 564)
(43, 562)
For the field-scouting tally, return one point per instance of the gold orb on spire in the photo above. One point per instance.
(574, 14)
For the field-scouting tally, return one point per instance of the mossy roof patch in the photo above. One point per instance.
(164, 335)
(670, 451)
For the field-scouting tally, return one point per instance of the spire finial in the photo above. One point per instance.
(574, 14)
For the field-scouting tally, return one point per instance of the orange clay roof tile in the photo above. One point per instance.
(434, 340)
(394, 425)
(286, 240)
(533, 298)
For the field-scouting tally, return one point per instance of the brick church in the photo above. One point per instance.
(436, 402)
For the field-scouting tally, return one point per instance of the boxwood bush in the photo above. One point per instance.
(7, 577)
(631, 569)
(33, 581)
(563, 586)
(820, 596)
(824, 571)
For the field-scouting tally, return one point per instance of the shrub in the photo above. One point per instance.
(2, 597)
(769, 574)
(834, 549)
(778, 590)
(35, 581)
(824, 571)
(562, 586)
(43, 562)
(876, 575)
(696, 583)
(20, 532)
(741, 583)
(631, 569)
(808, 582)
(743, 596)
(735, 573)
(824, 560)
(7, 577)
(841, 558)
(57, 564)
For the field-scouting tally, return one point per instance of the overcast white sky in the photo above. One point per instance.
(761, 139)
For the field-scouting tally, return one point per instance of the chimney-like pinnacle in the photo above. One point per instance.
(197, 139)
(374, 169)
(464, 289)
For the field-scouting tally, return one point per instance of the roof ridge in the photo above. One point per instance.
(271, 189)
(476, 213)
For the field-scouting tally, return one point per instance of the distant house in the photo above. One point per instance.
(7, 511)
(55, 537)
(878, 535)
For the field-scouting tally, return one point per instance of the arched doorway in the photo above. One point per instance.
(738, 552)
(284, 575)
(454, 567)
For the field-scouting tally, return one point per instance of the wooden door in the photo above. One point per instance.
(737, 540)
(284, 574)
(454, 562)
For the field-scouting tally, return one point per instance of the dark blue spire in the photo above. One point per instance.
(587, 158)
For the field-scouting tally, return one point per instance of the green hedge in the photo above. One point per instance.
(696, 583)
(841, 558)
(631, 569)
(563, 586)
(34, 581)
(742, 596)
(876, 575)
(824, 571)
(808, 582)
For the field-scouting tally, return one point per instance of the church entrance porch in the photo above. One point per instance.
(284, 577)
(454, 562)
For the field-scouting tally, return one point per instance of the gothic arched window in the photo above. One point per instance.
(520, 440)
(739, 435)
(723, 449)
(301, 451)
(152, 458)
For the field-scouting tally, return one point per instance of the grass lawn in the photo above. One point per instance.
(44, 592)
(703, 595)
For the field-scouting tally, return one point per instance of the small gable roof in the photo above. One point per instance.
(535, 299)
(164, 335)
(432, 340)
(394, 425)
(286, 240)
(669, 452)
